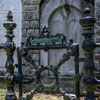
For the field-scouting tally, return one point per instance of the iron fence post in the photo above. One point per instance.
(9, 47)
(88, 46)
(77, 81)
(20, 74)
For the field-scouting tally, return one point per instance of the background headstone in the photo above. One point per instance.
(63, 17)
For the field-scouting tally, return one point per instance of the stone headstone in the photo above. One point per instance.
(61, 18)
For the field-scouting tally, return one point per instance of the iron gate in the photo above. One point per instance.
(47, 41)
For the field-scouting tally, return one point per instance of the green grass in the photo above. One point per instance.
(2, 91)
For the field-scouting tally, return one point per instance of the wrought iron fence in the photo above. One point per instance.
(47, 41)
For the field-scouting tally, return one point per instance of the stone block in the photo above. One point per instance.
(25, 24)
(37, 63)
(24, 39)
(36, 16)
(98, 39)
(24, 32)
(32, 16)
(30, 32)
(34, 24)
(24, 16)
(35, 2)
(26, 2)
(35, 57)
(37, 31)
(30, 8)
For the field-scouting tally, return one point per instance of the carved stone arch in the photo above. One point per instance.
(49, 8)
(60, 24)
(68, 11)
(53, 6)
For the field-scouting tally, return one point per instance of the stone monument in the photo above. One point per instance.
(62, 16)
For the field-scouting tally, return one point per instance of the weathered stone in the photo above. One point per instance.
(34, 24)
(31, 8)
(98, 39)
(30, 32)
(35, 2)
(24, 32)
(35, 57)
(36, 16)
(37, 63)
(24, 17)
(25, 64)
(97, 15)
(30, 16)
(37, 31)
(26, 2)
(24, 38)
(25, 72)
(30, 27)
(25, 24)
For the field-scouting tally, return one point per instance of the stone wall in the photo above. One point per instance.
(30, 26)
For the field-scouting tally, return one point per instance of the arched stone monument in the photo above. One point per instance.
(16, 7)
(62, 16)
